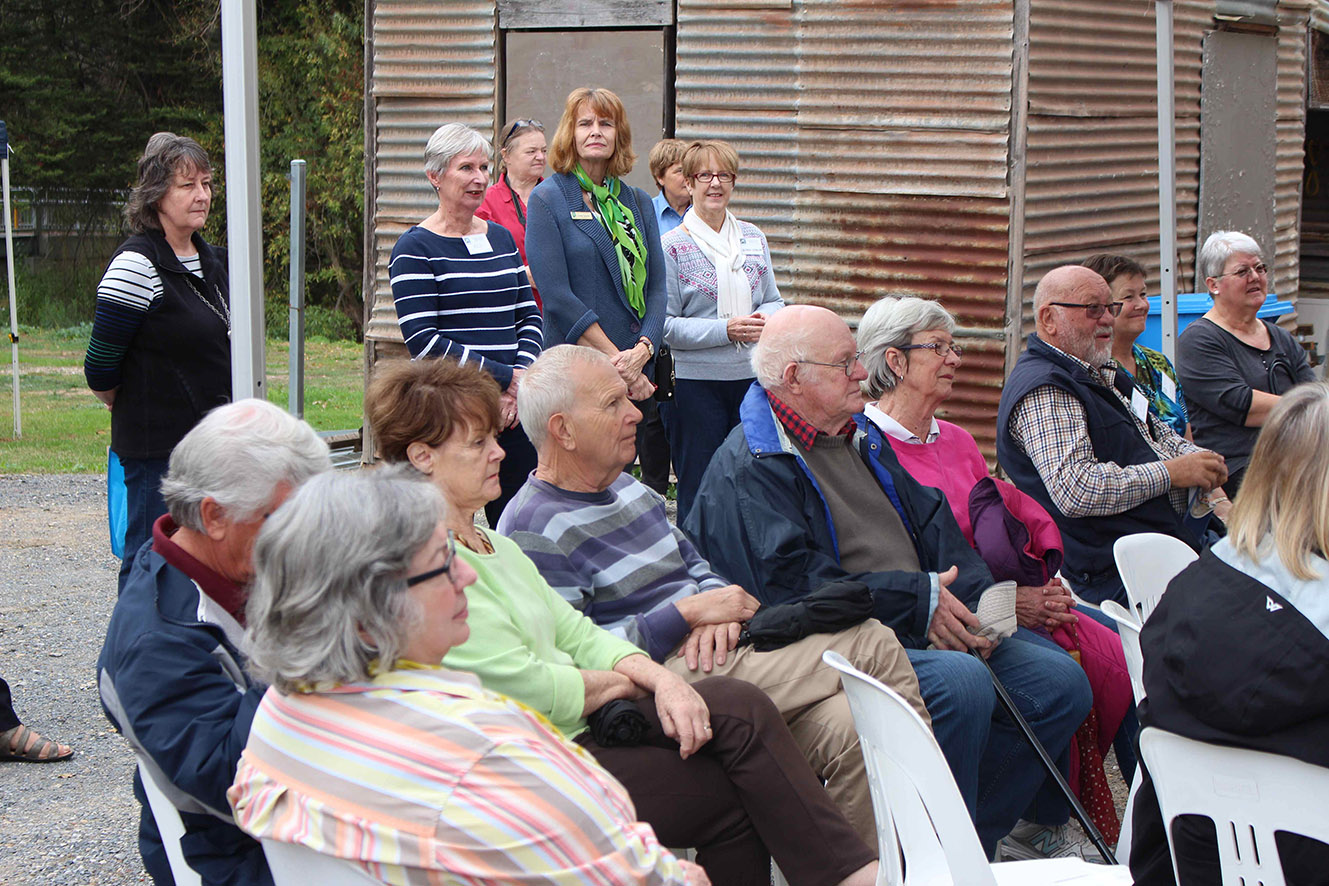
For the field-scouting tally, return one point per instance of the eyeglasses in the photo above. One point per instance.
(847, 364)
(515, 125)
(725, 178)
(446, 568)
(942, 348)
(1093, 310)
(1246, 273)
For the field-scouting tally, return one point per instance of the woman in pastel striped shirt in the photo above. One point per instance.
(461, 289)
(366, 749)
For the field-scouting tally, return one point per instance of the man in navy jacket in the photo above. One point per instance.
(171, 673)
(797, 496)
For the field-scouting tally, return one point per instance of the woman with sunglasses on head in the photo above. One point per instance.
(721, 290)
(1150, 371)
(521, 166)
(461, 290)
(1234, 365)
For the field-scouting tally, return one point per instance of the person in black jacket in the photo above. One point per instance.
(160, 352)
(1237, 652)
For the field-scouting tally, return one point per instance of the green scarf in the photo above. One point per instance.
(622, 227)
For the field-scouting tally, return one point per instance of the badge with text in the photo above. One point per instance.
(751, 246)
(1140, 405)
(582, 215)
(1169, 387)
(477, 244)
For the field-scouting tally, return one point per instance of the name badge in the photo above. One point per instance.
(582, 215)
(1139, 405)
(751, 246)
(1169, 388)
(477, 244)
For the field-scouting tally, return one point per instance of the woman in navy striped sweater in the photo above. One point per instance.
(462, 292)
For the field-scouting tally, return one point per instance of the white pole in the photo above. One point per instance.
(9, 262)
(1167, 180)
(243, 210)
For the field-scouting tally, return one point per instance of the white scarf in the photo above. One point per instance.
(725, 250)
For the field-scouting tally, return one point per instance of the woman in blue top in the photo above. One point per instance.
(461, 290)
(593, 242)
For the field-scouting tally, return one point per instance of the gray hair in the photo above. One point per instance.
(329, 592)
(773, 352)
(165, 155)
(452, 140)
(546, 388)
(1219, 248)
(892, 322)
(238, 456)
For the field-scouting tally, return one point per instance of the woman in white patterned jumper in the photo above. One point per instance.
(461, 290)
(721, 290)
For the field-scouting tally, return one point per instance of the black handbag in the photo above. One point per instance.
(664, 374)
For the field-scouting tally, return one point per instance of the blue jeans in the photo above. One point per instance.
(143, 492)
(697, 421)
(999, 775)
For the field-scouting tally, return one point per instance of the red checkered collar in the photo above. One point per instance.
(799, 427)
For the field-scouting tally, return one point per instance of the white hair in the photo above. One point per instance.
(546, 387)
(1218, 248)
(329, 591)
(238, 456)
(892, 322)
(452, 140)
(773, 352)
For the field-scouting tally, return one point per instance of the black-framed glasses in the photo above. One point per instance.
(1093, 310)
(1246, 273)
(446, 568)
(847, 365)
(725, 178)
(514, 126)
(942, 348)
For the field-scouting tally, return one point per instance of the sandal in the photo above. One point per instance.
(30, 746)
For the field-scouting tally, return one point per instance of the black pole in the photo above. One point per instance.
(1048, 763)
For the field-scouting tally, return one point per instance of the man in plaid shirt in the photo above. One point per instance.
(1075, 433)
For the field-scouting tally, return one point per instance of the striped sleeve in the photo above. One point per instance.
(126, 293)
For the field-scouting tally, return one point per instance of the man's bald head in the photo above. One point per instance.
(790, 335)
(1064, 324)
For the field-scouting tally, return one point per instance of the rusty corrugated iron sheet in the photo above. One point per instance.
(1320, 15)
(1293, 21)
(873, 139)
(433, 62)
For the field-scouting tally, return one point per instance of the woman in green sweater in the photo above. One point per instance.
(716, 768)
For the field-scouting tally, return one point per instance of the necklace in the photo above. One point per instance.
(224, 317)
(484, 546)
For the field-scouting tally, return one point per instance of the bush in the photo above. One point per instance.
(54, 295)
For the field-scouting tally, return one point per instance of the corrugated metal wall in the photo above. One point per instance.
(1092, 183)
(874, 146)
(1293, 21)
(433, 62)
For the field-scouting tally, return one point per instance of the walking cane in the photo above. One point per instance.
(1048, 763)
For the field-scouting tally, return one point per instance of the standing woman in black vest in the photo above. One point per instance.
(160, 352)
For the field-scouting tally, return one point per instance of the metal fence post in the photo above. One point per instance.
(296, 389)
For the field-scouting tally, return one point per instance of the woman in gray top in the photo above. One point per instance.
(721, 290)
(1233, 365)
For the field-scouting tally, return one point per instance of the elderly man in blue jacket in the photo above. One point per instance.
(171, 672)
(798, 496)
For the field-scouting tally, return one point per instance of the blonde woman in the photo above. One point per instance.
(1237, 651)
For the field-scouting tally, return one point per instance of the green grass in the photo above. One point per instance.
(66, 429)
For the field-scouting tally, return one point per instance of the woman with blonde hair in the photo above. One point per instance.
(1237, 651)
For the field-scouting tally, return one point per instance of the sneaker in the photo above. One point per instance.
(1028, 840)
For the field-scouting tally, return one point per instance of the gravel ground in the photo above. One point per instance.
(74, 823)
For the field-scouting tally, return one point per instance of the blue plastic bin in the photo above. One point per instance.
(1191, 305)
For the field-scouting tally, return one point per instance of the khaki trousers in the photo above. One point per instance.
(808, 694)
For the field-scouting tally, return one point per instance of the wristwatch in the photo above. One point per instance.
(650, 348)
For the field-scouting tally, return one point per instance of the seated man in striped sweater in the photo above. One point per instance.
(603, 541)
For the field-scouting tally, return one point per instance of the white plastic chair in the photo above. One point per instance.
(1147, 561)
(1128, 628)
(170, 827)
(293, 864)
(921, 818)
(1249, 795)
